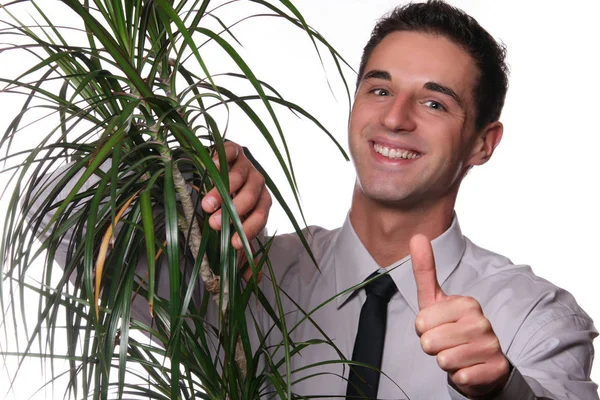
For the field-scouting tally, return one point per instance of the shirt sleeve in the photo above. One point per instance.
(553, 363)
(39, 209)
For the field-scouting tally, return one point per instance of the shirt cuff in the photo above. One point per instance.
(516, 388)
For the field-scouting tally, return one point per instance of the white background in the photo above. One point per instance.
(537, 201)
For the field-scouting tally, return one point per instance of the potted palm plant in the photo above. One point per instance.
(124, 103)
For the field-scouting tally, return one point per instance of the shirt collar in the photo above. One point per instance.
(353, 263)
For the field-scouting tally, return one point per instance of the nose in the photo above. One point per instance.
(398, 114)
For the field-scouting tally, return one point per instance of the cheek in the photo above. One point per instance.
(356, 128)
(362, 114)
(357, 149)
(446, 135)
(354, 122)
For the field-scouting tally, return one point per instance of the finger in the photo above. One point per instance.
(242, 262)
(465, 309)
(245, 200)
(215, 221)
(481, 379)
(232, 152)
(238, 174)
(256, 220)
(429, 291)
(247, 197)
(212, 201)
(485, 349)
(248, 273)
(443, 337)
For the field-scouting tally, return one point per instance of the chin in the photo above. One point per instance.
(385, 194)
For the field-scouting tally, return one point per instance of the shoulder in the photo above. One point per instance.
(515, 282)
(290, 246)
(288, 252)
(315, 236)
(513, 297)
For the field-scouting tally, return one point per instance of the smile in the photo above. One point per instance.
(395, 153)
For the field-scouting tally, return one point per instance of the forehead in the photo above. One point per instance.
(416, 57)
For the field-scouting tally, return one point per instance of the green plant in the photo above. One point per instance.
(138, 115)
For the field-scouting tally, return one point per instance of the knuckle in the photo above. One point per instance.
(269, 199)
(230, 144)
(494, 346)
(483, 325)
(420, 324)
(503, 366)
(250, 231)
(233, 152)
(260, 183)
(260, 180)
(261, 215)
(235, 175)
(470, 303)
(443, 360)
(253, 195)
(462, 378)
(426, 344)
(239, 152)
(241, 203)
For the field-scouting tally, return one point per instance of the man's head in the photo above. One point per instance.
(438, 18)
(431, 88)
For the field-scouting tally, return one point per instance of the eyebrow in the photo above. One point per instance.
(433, 86)
(436, 87)
(378, 74)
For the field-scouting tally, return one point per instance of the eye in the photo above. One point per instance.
(380, 92)
(434, 105)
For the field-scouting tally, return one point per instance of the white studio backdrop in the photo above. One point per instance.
(537, 201)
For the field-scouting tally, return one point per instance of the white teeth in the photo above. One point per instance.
(395, 153)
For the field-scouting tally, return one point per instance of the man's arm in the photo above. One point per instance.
(554, 363)
(251, 199)
(550, 357)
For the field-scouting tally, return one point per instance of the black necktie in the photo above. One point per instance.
(368, 348)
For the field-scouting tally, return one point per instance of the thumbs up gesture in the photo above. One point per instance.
(454, 329)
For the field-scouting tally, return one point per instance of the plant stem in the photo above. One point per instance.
(211, 281)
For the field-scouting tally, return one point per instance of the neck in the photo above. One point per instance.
(385, 230)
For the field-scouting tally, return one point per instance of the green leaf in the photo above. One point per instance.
(172, 235)
(106, 95)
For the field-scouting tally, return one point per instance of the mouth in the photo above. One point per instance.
(395, 153)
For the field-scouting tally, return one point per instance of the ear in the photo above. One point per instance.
(485, 143)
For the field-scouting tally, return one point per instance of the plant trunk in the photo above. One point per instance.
(211, 281)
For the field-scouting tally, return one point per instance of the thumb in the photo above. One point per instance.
(429, 291)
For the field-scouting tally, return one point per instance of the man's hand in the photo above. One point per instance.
(252, 200)
(454, 329)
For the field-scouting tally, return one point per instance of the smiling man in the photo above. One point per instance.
(413, 136)
(439, 316)
(421, 311)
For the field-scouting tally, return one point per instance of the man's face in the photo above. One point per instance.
(412, 130)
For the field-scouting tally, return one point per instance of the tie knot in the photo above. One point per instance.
(382, 286)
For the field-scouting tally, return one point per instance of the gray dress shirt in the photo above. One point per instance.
(543, 332)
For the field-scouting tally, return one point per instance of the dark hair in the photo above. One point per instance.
(437, 17)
